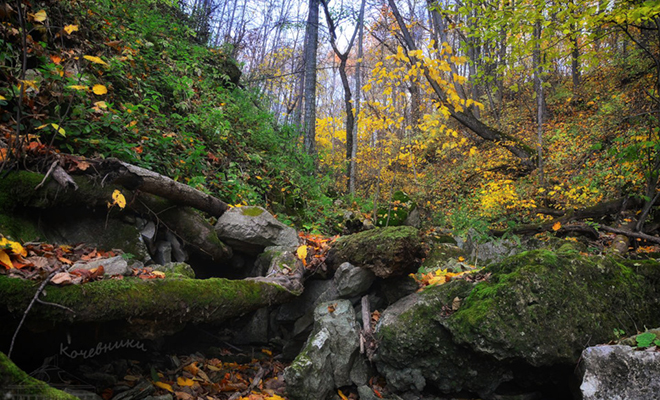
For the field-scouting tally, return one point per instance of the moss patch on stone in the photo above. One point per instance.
(12, 376)
(543, 306)
(536, 312)
(252, 211)
(386, 251)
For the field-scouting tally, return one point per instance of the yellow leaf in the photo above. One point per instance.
(302, 254)
(59, 129)
(95, 60)
(5, 260)
(40, 16)
(99, 89)
(164, 386)
(118, 199)
(342, 395)
(274, 397)
(181, 381)
(101, 104)
(69, 29)
(77, 87)
(556, 226)
(2, 97)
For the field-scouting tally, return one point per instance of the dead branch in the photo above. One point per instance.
(34, 298)
(637, 235)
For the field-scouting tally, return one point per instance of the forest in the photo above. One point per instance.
(463, 157)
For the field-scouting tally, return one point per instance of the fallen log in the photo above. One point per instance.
(147, 308)
(134, 178)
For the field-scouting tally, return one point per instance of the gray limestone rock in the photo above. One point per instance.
(111, 266)
(329, 356)
(620, 372)
(251, 229)
(352, 281)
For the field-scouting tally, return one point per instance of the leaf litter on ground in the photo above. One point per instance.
(36, 261)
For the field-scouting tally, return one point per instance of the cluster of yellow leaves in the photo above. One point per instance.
(499, 196)
(9, 248)
(438, 277)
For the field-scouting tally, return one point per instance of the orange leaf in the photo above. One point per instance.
(56, 59)
(556, 226)
(192, 368)
(342, 395)
(65, 260)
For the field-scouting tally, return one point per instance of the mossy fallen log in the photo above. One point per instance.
(148, 308)
(24, 210)
(15, 383)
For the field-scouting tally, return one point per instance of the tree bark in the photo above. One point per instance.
(311, 45)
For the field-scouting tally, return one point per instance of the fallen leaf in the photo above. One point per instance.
(342, 395)
(456, 304)
(99, 90)
(556, 226)
(159, 274)
(78, 87)
(95, 60)
(183, 396)
(165, 386)
(69, 29)
(56, 59)
(65, 260)
(302, 254)
(193, 368)
(181, 381)
(62, 278)
(5, 260)
(40, 16)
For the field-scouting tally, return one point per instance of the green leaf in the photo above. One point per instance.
(645, 339)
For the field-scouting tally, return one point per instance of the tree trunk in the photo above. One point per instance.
(358, 95)
(538, 85)
(311, 45)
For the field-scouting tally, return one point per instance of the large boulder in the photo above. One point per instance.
(251, 229)
(620, 372)
(526, 325)
(331, 356)
(392, 251)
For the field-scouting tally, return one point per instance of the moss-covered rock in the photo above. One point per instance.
(531, 319)
(391, 251)
(15, 383)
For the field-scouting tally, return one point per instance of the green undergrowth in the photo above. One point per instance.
(172, 104)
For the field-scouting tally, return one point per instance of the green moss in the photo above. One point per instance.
(540, 299)
(11, 375)
(252, 211)
(194, 300)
